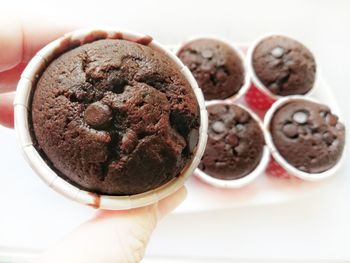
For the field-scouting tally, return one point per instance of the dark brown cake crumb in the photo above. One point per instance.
(284, 66)
(235, 143)
(115, 117)
(308, 135)
(217, 67)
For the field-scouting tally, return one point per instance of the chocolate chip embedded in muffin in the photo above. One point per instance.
(308, 135)
(114, 117)
(217, 67)
(98, 115)
(235, 143)
(284, 66)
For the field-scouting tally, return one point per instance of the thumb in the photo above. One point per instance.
(113, 236)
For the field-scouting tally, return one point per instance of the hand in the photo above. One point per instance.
(111, 236)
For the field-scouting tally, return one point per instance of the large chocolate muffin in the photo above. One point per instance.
(284, 66)
(217, 67)
(114, 117)
(235, 143)
(308, 135)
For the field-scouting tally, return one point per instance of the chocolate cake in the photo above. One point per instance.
(308, 135)
(284, 66)
(235, 143)
(215, 65)
(114, 117)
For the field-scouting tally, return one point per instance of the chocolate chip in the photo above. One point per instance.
(228, 117)
(129, 141)
(313, 160)
(289, 62)
(302, 130)
(317, 136)
(205, 67)
(232, 139)
(328, 138)
(240, 127)
(273, 86)
(244, 117)
(241, 148)
(221, 75)
(302, 168)
(335, 143)
(207, 53)
(192, 140)
(290, 130)
(220, 164)
(331, 119)
(323, 114)
(228, 147)
(220, 62)
(277, 52)
(193, 66)
(300, 117)
(218, 127)
(98, 115)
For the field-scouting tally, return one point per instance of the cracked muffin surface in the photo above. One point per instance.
(308, 135)
(284, 66)
(216, 66)
(114, 117)
(235, 143)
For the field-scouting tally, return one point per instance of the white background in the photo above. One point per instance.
(313, 227)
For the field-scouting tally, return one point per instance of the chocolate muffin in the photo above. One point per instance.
(284, 66)
(308, 135)
(217, 67)
(114, 117)
(235, 143)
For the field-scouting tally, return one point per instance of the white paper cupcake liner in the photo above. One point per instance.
(21, 107)
(240, 182)
(278, 157)
(246, 83)
(254, 78)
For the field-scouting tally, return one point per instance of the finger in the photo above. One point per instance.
(19, 42)
(11, 42)
(10, 78)
(36, 35)
(164, 206)
(6, 109)
(14, 56)
(113, 236)
(169, 203)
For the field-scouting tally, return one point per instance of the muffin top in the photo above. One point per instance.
(114, 117)
(235, 143)
(308, 135)
(217, 67)
(284, 66)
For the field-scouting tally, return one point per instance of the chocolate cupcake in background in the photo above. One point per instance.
(284, 66)
(114, 117)
(307, 135)
(217, 67)
(235, 143)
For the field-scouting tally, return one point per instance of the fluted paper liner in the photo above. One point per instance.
(278, 157)
(28, 81)
(240, 182)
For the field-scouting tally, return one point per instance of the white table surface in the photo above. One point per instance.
(315, 227)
